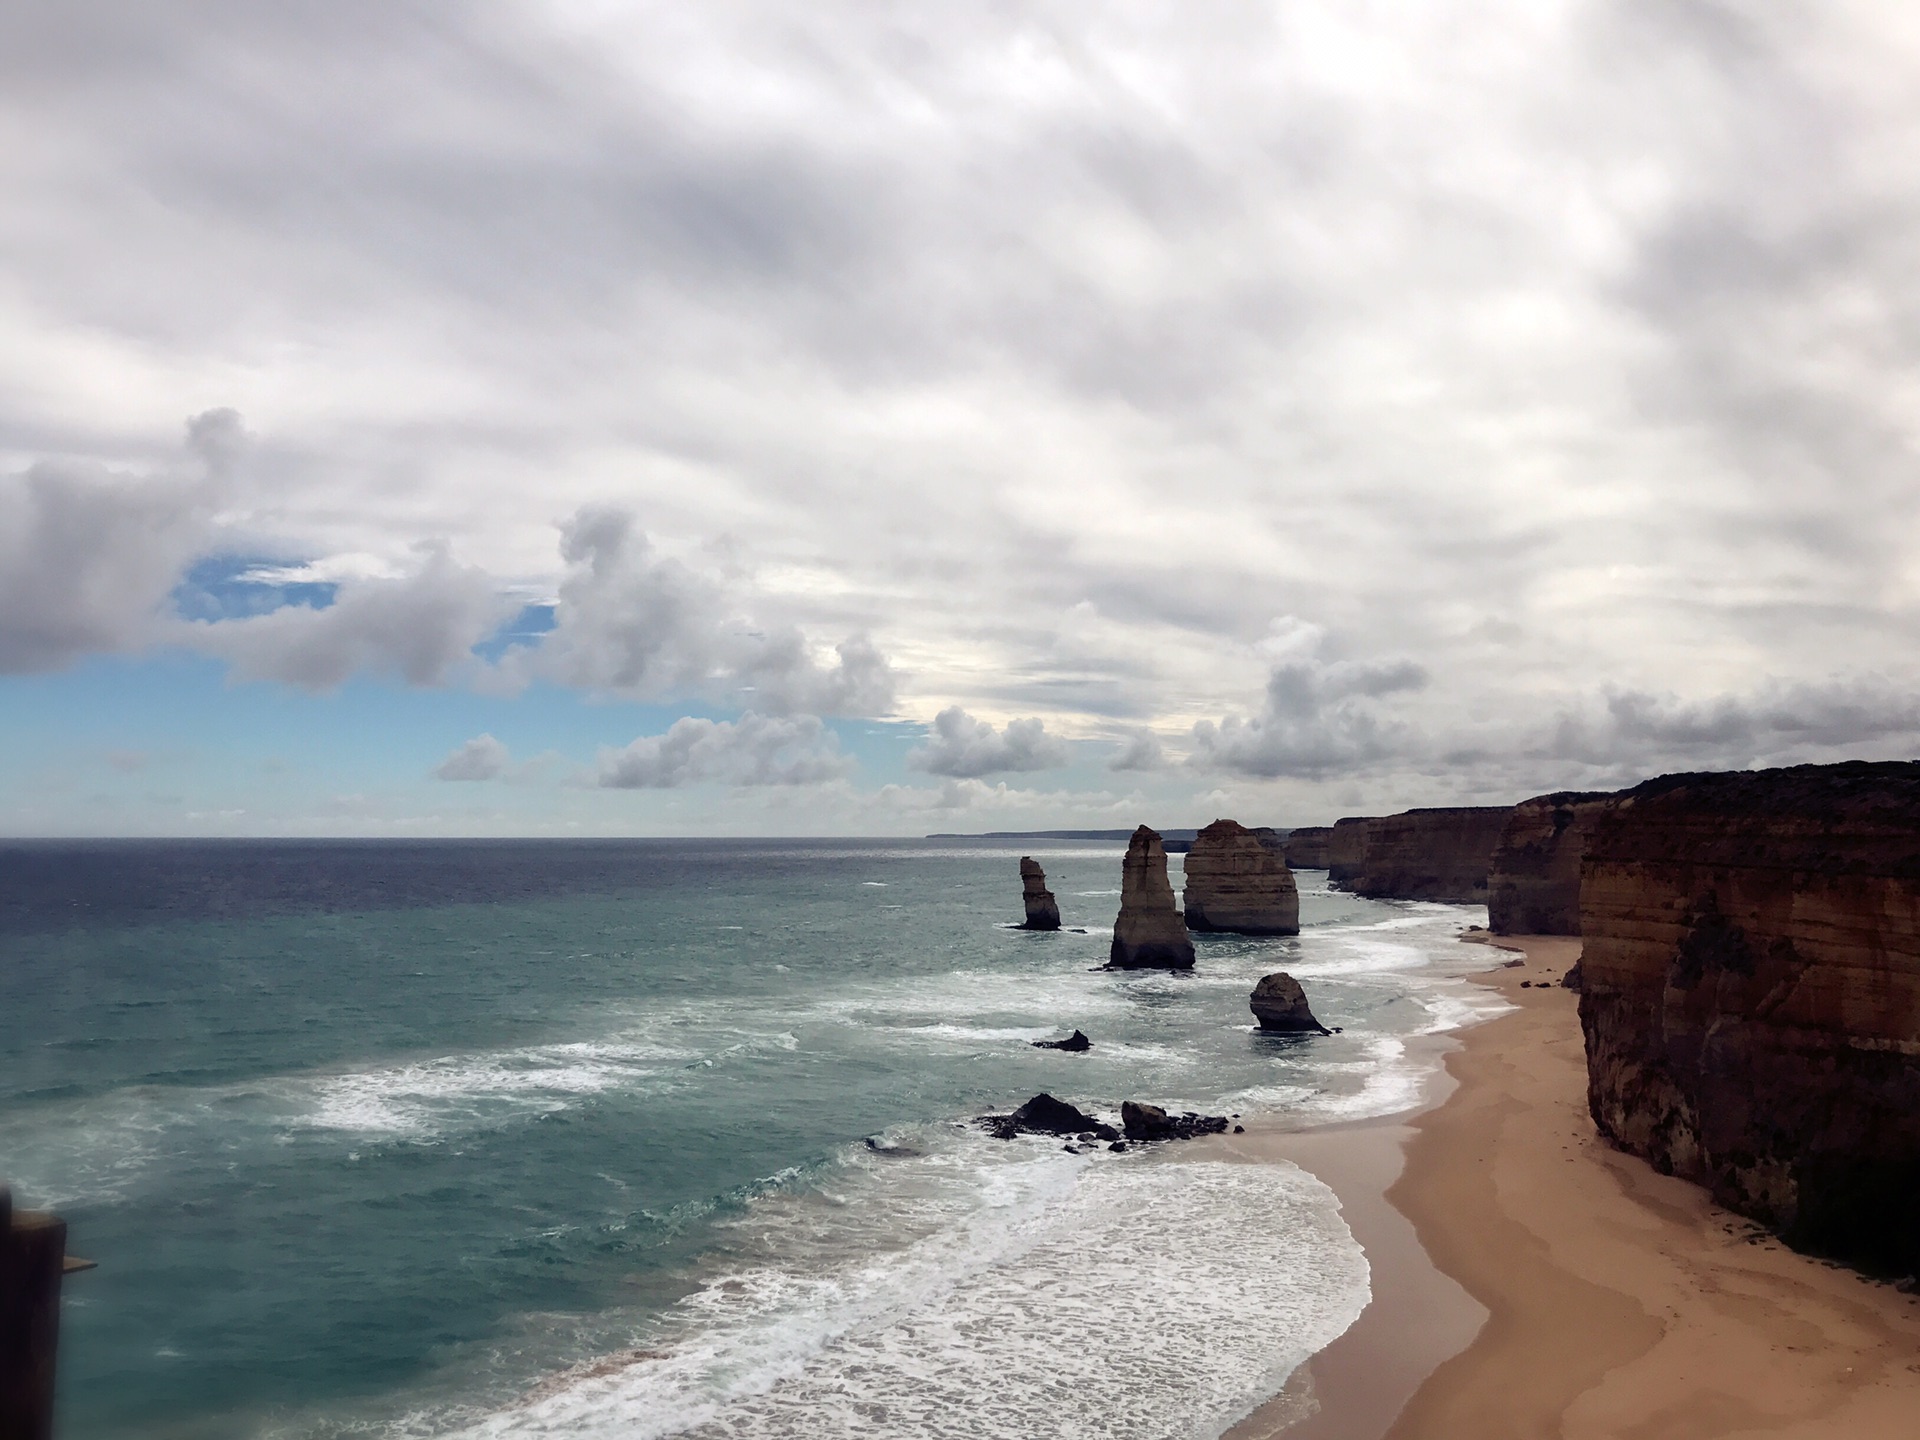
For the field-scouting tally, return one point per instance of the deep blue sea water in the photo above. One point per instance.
(571, 1138)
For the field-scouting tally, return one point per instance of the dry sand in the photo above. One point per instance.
(1619, 1304)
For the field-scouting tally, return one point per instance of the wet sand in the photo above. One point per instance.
(1618, 1304)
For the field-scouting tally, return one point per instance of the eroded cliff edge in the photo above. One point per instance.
(1437, 854)
(1752, 1000)
(1533, 883)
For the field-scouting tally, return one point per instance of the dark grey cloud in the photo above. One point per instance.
(633, 623)
(88, 554)
(1320, 718)
(754, 750)
(963, 748)
(419, 627)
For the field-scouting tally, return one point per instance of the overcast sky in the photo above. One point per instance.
(854, 417)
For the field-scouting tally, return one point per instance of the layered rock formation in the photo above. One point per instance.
(1346, 850)
(1440, 854)
(1236, 884)
(1306, 848)
(1533, 884)
(1043, 911)
(1751, 995)
(1149, 932)
(1279, 1003)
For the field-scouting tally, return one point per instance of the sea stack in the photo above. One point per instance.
(1043, 912)
(1239, 885)
(1279, 1003)
(1751, 996)
(1149, 933)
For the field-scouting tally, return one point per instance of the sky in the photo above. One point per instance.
(860, 418)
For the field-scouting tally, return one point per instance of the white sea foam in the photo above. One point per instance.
(1033, 1316)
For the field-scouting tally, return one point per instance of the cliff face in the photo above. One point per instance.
(1306, 848)
(1238, 884)
(1043, 911)
(1533, 885)
(1149, 932)
(1347, 850)
(1430, 854)
(1752, 995)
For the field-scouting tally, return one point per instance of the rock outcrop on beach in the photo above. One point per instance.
(1438, 854)
(1150, 1122)
(1149, 933)
(1279, 1003)
(1533, 883)
(1043, 911)
(1236, 884)
(1347, 850)
(1306, 848)
(1044, 1115)
(1751, 996)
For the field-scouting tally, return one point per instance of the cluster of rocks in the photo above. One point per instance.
(1139, 1122)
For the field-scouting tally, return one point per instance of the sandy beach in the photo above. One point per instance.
(1530, 1281)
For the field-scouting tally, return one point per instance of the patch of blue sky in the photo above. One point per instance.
(231, 587)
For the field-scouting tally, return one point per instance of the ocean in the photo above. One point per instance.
(663, 1138)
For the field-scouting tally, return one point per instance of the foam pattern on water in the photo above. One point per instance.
(1132, 1296)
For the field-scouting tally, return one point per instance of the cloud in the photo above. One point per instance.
(965, 748)
(481, 758)
(88, 554)
(754, 750)
(633, 623)
(1319, 719)
(420, 627)
(1141, 750)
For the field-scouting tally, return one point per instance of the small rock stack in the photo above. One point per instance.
(1043, 911)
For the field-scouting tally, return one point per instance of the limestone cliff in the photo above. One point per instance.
(1751, 996)
(1346, 850)
(1237, 884)
(1533, 885)
(1149, 932)
(1306, 848)
(1043, 911)
(1440, 854)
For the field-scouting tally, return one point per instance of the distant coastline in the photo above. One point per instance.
(1119, 837)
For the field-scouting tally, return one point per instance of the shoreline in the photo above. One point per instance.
(1530, 1280)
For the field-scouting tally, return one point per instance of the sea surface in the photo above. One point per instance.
(652, 1138)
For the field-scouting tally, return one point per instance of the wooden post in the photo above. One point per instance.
(33, 1249)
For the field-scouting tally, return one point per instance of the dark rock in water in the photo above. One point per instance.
(1043, 912)
(1075, 1042)
(1149, 933)
(1150, 1122)
(1526, 984)
(1571, 980)
(1239, 1129)
(892, 1152)
(1238, 884)
(1117, 1146)
(1279, 1003)
(1044, 1115)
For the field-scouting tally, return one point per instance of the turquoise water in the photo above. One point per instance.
(538, 1138)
